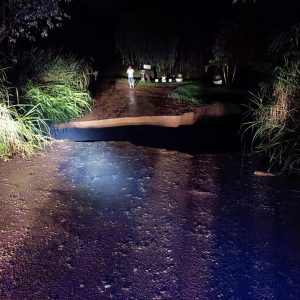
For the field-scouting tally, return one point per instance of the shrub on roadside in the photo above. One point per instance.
(61, 90)
(275, 113)
(275, 123)
(52, 88)
(21, 132)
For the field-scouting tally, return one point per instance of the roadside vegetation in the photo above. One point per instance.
(202, 93)
(36, 87)
(61, 90)
(275, 109)
(52, 88)
(22, 130)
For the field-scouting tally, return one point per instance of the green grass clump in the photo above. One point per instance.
(67, 70)
(54, 88)
(189, 92)
(201, 93)
(61, 91)
(21, 133)
(275, 121)
(58, 102)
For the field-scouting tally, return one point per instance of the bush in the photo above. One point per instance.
(275, 120)
(55, 90)
(61, 90)
(21, 133)
(58, 102)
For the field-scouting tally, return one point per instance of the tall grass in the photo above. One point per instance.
(58, 102)
(61, 90)
(53, 88)
(275, 120)
(22, 131)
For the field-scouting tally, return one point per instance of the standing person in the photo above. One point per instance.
(143, 75)
(130, 72)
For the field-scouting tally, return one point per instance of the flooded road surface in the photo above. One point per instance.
(131, 222)
(219, 135)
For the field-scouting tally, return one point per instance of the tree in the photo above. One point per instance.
(145, 44)
(233, 47)
(29, 19)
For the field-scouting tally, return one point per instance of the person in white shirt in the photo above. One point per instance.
(130, 73)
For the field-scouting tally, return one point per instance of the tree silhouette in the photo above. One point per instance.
(29, 19)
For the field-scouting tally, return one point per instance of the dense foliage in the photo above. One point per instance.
(22, 130)
(138, 43)
(56, 91)
(45, 86)
(275, 108)
(29, 19)
(60, 90)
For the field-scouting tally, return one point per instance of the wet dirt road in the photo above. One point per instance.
(113, 220)
(115, 100)
(110, 220)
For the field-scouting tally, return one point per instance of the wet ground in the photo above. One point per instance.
(114, 99)
(111, 220)
(117, 220)
(212, 133)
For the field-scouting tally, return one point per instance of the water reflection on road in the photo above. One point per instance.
(189, 227)
(139, 105)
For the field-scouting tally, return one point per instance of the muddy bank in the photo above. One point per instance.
(188, 118)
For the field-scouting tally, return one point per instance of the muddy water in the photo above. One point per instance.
(216, 129)
(181, 225)
(190, 227)
(209, 136)
(133, 222)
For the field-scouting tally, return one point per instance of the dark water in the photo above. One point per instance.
(170, 225)
(141, 223)
(209, 136)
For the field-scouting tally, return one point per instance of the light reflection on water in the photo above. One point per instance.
(132, 105)
(213, 233)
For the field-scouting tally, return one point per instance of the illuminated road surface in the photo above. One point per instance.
(132, 222)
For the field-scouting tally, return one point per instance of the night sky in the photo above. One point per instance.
(93, 24)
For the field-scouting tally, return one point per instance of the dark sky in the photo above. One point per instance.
(93, 23)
